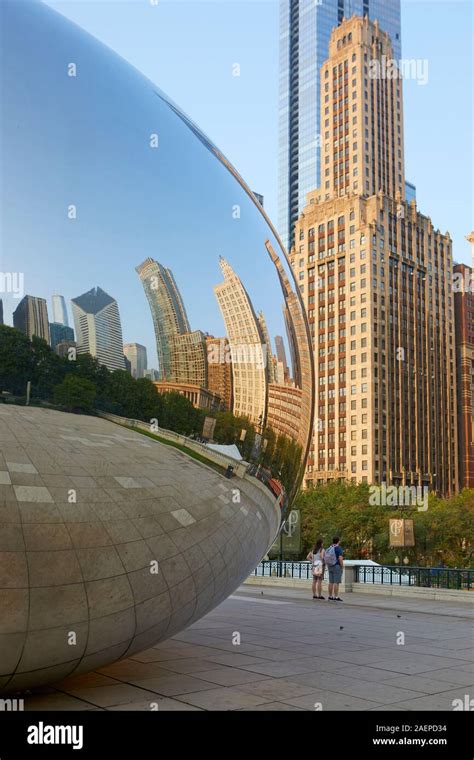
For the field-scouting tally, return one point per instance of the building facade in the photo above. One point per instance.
(167, 310)
(219, 370)
(464, 314)
(247, 346)
(31, 317)
(267, 344)
(284, 411)
(376, 278)
(137, 356)
(98, 328)
(201, 398)
(305, 31)
(281, 354)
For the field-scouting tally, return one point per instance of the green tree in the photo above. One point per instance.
(48, 368)
(89, 368)
(75, 394)
(16, 360)
(149, 403)
(179, 414)
(444, 532)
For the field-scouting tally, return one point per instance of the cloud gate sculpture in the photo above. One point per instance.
(125, 234)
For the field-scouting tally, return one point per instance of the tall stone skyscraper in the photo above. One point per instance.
(305, 31)
(376, 278)
(247, 346)
(464, 314)
(98, 328)
(167, 310)
(31, 317)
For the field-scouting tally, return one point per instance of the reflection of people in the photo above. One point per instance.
(335, 562)
(316, 557)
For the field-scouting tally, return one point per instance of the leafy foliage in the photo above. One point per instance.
(443, 533)
(75, 394)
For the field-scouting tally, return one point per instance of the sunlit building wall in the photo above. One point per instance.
(376, 278)
(464, 313)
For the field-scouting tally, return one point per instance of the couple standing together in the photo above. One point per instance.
(332, 558)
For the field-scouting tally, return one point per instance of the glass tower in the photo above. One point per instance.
(305, 29)
(59, 310)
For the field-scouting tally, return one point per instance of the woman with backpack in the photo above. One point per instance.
(316, 557)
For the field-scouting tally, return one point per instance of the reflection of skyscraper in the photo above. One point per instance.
(1, 311)
(31, 317)
(59, 310)
(299, 348)
(98, 328)
(167, 310)
(188, 361)
(64, 348)
(136, 355)
(59, 333)
(281, 353)
(246, 344)
(152, 374)
(295, 325)
(219, 369)
(267, 347)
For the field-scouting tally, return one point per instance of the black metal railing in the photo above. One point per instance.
(388, 575)
(283, 569)
(423, 577)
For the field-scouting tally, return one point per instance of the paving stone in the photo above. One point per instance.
(229, 676)
(172, 685)
(222, 699)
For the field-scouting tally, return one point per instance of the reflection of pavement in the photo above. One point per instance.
(118, 539)
(293, 655)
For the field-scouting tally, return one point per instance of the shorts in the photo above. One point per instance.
(335, 573)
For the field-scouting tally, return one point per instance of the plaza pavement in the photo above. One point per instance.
(294, 654)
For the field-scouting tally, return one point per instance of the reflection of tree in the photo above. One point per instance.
(229, 429)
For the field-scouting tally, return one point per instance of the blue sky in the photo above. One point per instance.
(188, 49)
